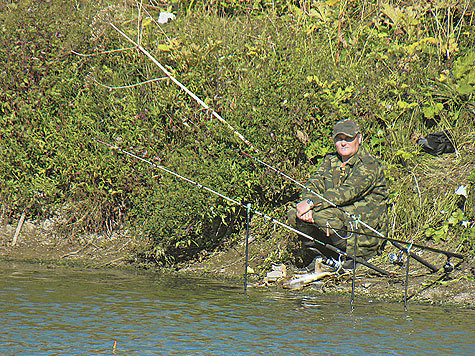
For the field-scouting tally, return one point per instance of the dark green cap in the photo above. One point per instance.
(347, 127)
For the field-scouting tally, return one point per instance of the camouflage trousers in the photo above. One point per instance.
(332, 226)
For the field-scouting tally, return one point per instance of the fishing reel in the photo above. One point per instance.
(397, 258)
(331, 262)
(448, 267)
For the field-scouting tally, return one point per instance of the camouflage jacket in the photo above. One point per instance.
(359, 188)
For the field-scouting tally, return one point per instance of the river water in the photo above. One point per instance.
(72, 311)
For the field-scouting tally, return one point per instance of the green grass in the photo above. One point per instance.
(277, 77)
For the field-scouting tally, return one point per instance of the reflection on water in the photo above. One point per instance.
(83, 312)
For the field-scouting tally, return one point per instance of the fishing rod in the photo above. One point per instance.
(266, 217)
(447, 267)
(190, 93)
(379, 235)
(419, 259)
(397, 259)
(396, 243)
(185, 89)
(414, 256)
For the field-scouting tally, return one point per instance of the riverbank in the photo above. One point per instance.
(38, 243)
(455, 288)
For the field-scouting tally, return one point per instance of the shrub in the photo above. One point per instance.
(281, 81)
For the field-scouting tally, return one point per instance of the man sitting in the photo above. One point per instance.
(352, 183)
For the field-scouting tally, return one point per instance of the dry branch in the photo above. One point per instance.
(18, 228)
(130, 85)
(76, 252)
(103, 52)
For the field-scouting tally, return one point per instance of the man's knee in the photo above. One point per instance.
(308, 229)
(330, 219)
(338, 241)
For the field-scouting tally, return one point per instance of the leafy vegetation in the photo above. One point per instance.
(281, 74)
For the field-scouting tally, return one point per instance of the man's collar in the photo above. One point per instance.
(352, 160)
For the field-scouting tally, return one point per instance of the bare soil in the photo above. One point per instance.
(39, 244)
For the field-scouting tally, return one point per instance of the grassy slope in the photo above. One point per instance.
(282, 82)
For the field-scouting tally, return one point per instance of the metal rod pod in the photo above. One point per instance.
(247, 247)
(408, 255)
(354, 275)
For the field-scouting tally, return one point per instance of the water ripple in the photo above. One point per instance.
(83, 312)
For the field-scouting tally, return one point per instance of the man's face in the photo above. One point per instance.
(347, 146)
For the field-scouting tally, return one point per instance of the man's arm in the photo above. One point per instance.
(315, 183)
(359, 182)
(304, 210)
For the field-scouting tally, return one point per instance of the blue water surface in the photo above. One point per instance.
(102, 312)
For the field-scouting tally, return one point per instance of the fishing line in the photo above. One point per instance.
(266, 217)
(185, 89)
(336, 231)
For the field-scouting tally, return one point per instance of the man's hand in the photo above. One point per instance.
(304, 211)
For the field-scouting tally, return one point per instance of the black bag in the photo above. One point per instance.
(437, 143)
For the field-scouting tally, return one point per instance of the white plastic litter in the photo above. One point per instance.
(165, 16)
(462, 190)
